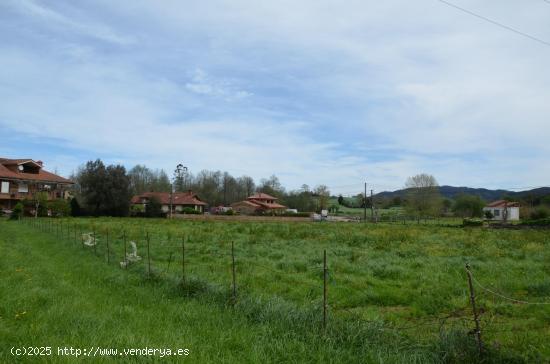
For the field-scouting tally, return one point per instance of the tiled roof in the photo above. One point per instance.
(41, 176)
(503, 203)
(261, 196)
(179, 198)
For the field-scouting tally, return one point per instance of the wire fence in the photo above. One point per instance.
(229, 267)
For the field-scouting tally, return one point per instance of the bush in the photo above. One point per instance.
(538, 222)
(190, 211)
(17, 211)
(230, 212)
(489, 215)
(153, 207)
(472, 222)
(59, 207)
(539, 213)
(75, 207)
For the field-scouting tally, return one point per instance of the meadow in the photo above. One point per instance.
(395, 293)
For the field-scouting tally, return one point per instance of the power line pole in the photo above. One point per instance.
(365, 203)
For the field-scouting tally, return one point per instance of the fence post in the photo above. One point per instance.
(81, 238)
(234, 273)
(125, 250)
(183, 259)
(95, 241)
(148, 255)
(325, 271)
(108, 250)
(474, 309)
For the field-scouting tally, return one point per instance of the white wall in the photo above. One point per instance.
(513, 212)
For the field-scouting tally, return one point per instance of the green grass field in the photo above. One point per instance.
(396, 293)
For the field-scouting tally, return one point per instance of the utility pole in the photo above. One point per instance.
(365, 203)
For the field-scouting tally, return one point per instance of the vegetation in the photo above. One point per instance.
(468, 206)
(423, 197)
(104, 190)
(388, 283)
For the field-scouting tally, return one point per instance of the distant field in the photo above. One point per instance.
(395, 292)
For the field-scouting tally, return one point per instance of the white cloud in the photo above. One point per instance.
(317, 92)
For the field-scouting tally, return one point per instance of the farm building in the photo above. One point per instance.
(180, 200)
(23, 178)
(503, 210)
(259, 203)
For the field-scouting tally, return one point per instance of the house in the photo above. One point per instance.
(180, 200)
(503, 209)
(22, 179)
(258, 203)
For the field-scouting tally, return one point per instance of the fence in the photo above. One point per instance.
(123, 247)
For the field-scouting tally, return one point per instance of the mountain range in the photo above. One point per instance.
(486, 194)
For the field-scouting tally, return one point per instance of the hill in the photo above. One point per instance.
(486, 194)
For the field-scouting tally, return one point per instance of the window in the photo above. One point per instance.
(23, 188)
(5, 187)
(496, 213)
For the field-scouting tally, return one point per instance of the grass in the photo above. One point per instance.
(390, 288)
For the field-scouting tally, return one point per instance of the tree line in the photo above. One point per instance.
(107, 189)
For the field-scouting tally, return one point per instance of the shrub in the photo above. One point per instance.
(59, 207)
(230, 212)
(539, 213)
(538, 222)
(190, 211)
(489, 215)
(153, 207)
(17, 211)
(472, 222)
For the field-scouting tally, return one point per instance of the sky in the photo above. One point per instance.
(316, 92)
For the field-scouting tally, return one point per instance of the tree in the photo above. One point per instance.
(468, 206)
(271, 186)
(105, 190)
(340, 200)
(75, 207)
(246, 185)
(118, 191)
(423, 197)
(153, 207)
(323, 194)
(141, 179)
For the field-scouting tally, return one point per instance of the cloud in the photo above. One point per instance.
(328, 92)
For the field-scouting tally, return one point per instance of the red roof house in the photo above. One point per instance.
(180, 200)
(23, 178)
(259, 203)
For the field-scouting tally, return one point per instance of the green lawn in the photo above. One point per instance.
(396, 293)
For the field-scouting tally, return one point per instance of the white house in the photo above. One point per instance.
(502, 208)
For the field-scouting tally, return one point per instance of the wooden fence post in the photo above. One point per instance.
(148, 255)
(474, 310)
(108, 250)
(95, 241)
(234, 273)
(325, 271)
(125, 250)
(183, 259)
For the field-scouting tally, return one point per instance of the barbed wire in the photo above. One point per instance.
(505, 297)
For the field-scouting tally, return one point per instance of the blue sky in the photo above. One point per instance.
(316, 92)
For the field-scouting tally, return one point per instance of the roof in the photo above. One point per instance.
(179, 198)
(503, 203)
(259, 204)
(41, 176)
(261, 196)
